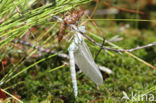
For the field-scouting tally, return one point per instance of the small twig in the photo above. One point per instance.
(120, 50)
(14, 97)
(20, 13)
(100, 49)
(39, 48)
(141, 47)
(94, 10)
(18, 10)
(1, 21)
(124, 9)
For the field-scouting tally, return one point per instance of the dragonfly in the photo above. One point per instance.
(81, 56)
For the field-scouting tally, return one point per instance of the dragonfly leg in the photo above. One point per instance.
(80, 71)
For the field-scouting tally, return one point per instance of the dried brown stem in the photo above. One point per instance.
(120, 50)
(39, 48)
(124, 9)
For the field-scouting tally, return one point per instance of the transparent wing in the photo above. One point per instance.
(88, 53)
(80, 38)
(85, 62)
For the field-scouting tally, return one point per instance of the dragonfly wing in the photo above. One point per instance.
(85, 62)
(86, 49)
(84, 46)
